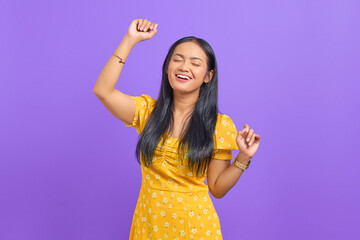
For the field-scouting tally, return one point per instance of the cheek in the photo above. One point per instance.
(170, 68)
(200, 73)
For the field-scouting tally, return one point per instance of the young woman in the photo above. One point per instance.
(183, 139)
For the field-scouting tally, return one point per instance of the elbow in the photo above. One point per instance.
(102, 93)
(215, 194)
(218, 196)
(96, 92)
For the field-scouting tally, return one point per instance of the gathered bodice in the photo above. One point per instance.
(169, 172)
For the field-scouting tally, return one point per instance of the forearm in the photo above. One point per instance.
(229, 177)
(110, 74)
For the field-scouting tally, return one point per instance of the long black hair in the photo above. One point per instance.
(197, 139)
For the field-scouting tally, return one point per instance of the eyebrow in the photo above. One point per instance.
(178, 54)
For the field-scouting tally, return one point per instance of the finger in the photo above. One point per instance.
(136, 21)
(143, 24)
(240, 133)
(147, 26)
(252, 140)
(139, 22)
(246, 127)
(251, 131)
(152, 26)
(243, 132)
(153, 32)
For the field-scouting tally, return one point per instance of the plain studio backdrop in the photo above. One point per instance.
(289, 69)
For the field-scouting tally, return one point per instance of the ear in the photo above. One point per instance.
(209, 76)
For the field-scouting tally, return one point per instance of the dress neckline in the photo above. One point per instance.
(172, 137)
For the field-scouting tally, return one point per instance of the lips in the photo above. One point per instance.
(182, 77)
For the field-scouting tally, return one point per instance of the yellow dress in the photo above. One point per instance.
(173, 203)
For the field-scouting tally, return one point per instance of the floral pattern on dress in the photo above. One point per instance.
(173, 203)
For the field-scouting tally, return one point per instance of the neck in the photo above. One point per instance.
(185, 103)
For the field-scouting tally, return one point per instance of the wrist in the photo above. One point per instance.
(243, 159)
(130, 41)
(242, 162)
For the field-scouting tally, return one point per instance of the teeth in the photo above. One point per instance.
(182, 76)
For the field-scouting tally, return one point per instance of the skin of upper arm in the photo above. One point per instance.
(119, 104)
(216, 167)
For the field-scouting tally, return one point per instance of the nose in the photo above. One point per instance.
(184, 67)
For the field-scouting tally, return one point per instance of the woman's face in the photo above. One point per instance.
(187, 68)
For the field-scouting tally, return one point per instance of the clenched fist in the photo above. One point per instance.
(141, 29)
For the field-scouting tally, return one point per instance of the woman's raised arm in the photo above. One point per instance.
(120, 104)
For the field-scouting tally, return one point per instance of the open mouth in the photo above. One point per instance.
(182, 77)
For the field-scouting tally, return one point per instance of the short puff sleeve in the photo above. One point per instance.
(224, 138)
(144, 105)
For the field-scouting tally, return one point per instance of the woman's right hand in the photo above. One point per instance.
(141, 29)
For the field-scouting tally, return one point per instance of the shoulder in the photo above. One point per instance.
(225, 133)
(144, 105)
(224, 122)
(144, 101)
(224, 119)
(144, 98)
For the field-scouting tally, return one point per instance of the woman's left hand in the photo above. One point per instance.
(248, 142)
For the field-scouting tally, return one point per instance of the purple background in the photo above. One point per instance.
(289, 69)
